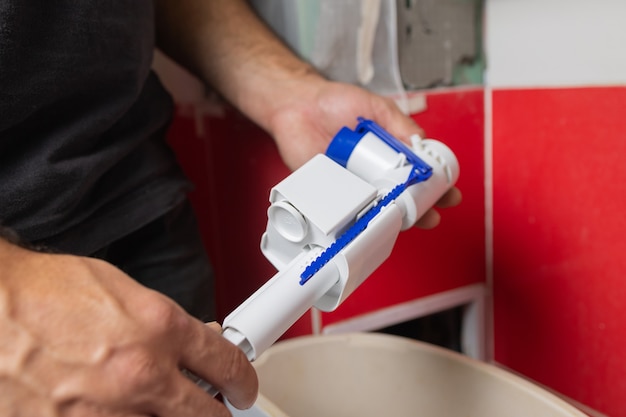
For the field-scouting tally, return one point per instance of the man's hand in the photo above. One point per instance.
(319, 108)
(78, 337)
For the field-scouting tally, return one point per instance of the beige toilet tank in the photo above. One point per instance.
(379, 375)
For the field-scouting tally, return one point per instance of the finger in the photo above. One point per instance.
(386, 113)
(186, 399)
(451, 198)
(86, 409)
(403, 127)
(215, 326)
(219, 362)
(429, 220)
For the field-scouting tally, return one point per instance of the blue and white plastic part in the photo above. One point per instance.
(369, 151)
(335, 220)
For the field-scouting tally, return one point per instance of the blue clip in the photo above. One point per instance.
(339, 150)
(422, 171)
(346, 140)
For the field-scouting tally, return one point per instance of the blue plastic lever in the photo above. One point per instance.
(339, 150)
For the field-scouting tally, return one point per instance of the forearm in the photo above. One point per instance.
(229, 48)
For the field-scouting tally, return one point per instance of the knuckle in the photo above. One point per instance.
(162, 316)
(235, 367)
(388, 104)
(140, 370)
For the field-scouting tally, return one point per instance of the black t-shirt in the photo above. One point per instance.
(83, 157)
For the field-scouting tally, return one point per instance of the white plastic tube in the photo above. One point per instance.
(277, 305)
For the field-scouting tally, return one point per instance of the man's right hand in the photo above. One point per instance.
(78, 337)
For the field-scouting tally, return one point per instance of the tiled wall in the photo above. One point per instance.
(559, 199)
(557, 76)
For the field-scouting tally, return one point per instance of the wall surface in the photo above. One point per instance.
(556, 78)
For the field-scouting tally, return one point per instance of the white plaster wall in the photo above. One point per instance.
(536, 43)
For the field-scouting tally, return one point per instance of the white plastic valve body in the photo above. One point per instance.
(332, 222)
(257, 323)
(313, 209)
(315, 204)
(420, 197)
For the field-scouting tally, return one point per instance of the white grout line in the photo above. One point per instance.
(489, 258)
(473, 295)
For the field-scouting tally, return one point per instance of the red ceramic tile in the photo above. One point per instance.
(560, 240)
